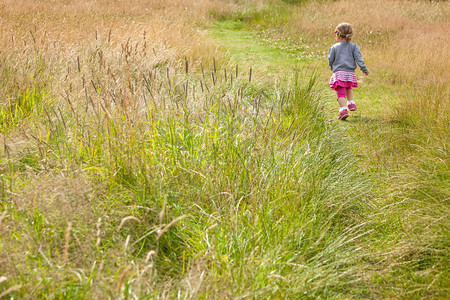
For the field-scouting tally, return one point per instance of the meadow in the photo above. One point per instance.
(190, 149)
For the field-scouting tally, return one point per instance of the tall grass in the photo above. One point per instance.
(157, 180)
(165, 142)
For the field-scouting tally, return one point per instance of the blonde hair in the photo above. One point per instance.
(345, 31)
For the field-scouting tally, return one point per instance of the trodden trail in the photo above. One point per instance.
(276, 59)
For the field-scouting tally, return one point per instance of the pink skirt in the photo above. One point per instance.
(343, 79)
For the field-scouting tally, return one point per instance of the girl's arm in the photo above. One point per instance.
(358, 59)
(331, 57)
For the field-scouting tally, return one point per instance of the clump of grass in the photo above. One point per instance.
(28, 103)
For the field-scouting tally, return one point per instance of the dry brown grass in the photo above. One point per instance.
(406, 39)
(64, 29)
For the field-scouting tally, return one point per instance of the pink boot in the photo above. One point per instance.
(343, 115)
(352, 107)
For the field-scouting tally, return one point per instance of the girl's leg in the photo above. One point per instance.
(343, 111)
(350, 103)
(341, 92)
(342, 102)
(349, 93)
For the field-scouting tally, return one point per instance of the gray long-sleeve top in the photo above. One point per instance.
(344, 56)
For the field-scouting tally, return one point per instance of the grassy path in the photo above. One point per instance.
(272, 57)
(275, 59)
(379, 147)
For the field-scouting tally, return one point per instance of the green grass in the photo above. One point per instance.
(273, 56)
(254, 159)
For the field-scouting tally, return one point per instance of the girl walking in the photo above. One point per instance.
(342, 58)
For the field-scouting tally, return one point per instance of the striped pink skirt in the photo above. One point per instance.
(343, 79)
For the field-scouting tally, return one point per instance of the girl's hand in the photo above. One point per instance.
(366, 73)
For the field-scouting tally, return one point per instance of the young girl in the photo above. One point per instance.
(342, 58)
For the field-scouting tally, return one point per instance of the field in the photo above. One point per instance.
(190, 149)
